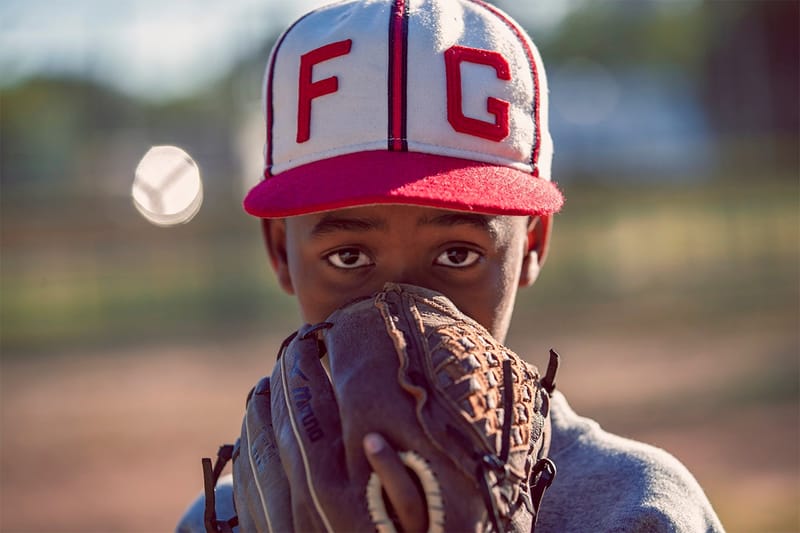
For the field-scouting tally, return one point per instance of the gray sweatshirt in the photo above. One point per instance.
(605, 483)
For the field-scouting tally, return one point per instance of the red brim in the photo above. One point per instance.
(413, 178)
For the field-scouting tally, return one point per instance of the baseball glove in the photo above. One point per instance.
(468, 417)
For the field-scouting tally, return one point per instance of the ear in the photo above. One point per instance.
(274, 231)
(536, 250)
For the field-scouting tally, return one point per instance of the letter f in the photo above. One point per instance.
(308, 90)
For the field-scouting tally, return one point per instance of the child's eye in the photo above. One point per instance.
(348, 258)
(458, 257)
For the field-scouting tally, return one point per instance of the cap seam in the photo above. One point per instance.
(534, 71)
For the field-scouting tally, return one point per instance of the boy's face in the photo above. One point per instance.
(477, 261)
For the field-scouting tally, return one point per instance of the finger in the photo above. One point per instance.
(262, 489)
(306, 424)
(400, 488)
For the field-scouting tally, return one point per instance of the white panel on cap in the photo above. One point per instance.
(471, 25)
(545, 160)
(355, 117)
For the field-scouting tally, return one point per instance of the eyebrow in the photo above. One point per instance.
(482, 222)
(331, 223)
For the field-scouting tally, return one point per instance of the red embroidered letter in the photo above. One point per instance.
(453, 57)
(308, 90)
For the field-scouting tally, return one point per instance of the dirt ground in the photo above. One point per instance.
(112, 441)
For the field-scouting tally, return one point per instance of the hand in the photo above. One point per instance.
(401, 490)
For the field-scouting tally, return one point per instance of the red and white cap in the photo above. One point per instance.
(439, 103)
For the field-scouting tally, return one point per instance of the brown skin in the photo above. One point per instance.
(477, 261)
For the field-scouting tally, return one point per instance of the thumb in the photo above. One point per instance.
(261, 489)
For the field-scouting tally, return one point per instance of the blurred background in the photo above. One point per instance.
(671, 289)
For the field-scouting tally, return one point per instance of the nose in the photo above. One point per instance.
(404, 268)
(407, 277)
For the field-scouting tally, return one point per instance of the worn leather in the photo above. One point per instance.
(408, 364)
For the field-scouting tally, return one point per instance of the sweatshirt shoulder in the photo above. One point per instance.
(610, 483)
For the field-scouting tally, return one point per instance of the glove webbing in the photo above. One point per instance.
(543, 472)
(492, 462)
(210, 478)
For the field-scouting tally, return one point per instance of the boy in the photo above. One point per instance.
(407, 141)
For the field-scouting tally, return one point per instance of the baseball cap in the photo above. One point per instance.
(439, 103)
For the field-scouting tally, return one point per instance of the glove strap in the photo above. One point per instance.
(508, 410)
(484, 467)
(210, 478)
(549, 379)
(542, 475)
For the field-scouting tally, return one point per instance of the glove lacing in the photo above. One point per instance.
(543, 472)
